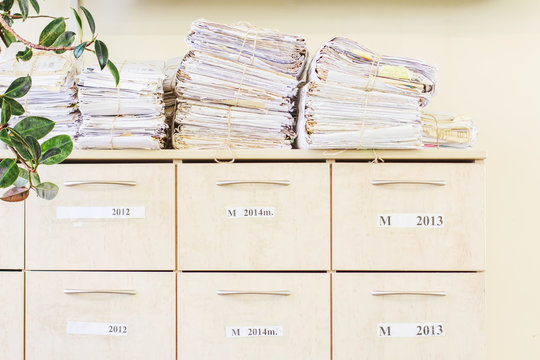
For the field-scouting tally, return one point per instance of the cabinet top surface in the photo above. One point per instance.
(266, 154)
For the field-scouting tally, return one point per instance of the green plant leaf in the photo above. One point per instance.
(6, 112)
(4, 137)
(7, 5)
(52, 31)
(90, 19)
(9, 172)
(19, 87)
(79, 50)
(24, 55)
(34, 126)
(62, 142)
(22, 180)
(47, 190)
(35, 5)
(23, 5)
(22, 148)
(35, 148)
(16, 107)
(64, 40)
(102, 53)
(79, 21)
(16, 194)
(10, 39)
(49, 153)
(34, 177)
(114, 72)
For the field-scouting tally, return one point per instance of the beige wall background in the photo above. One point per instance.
(488, 55)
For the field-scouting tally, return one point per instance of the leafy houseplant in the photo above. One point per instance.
(20, 175)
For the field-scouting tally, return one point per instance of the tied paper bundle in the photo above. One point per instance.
(448, 131)
(130, 116)
(169, 96)
(53, 94)
(237, 87)
(356, 99)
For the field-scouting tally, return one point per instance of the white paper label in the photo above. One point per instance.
(409, 330)
(253, 331)
(92, 328)
(100, 212)
(410, 220)
(250, 212)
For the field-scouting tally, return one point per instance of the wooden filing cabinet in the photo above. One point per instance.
(12, 315)
(12, 236)
(98, 315)
(263, 216)
(314, 276)
(105, 217)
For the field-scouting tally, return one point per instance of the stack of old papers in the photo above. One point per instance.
(448, 131)
(169, 96)
(53, 94)
(237, 87)
(130, 116)
(356, 99)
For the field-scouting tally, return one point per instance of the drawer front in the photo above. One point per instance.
(79, 325)
(12, 315)
(97, 224)
(408, 326)
(408, 216)
(12, 239)
(254, 326)
(262, 216)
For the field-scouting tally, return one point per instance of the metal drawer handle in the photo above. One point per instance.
(427, 293)
(77, 183)
(241, 292)
(236, 182)
(113, 292)
(409, 182)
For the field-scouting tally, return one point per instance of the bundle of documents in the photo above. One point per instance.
(130, 116)
(448, 131)
(356, 99)
(53, 94)
(237, 87)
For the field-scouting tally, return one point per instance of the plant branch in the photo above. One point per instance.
(8, 28)
(21, 160)
(31, 16)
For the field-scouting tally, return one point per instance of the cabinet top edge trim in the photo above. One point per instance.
(267, 154)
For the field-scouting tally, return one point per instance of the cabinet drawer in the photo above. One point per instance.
(105, 217)
(254, 326)
(11, 315)
(12, 238)
(69, 315)
(254, 216)
(407, 320)
(408, 216)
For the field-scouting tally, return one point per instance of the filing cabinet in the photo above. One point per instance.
(12, 237)
(98, 315)
(105, 217)
(12, 315)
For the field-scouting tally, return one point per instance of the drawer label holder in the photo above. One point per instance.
(95, 328)
(250, 212)
(410, 330)
(100, 212)
(412, 220)
(253, 331)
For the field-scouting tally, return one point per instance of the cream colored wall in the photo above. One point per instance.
(488, 54)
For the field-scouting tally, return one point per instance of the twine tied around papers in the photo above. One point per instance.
(118, 108)
(236, 100)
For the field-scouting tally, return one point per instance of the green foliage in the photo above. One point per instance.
(21, 175)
